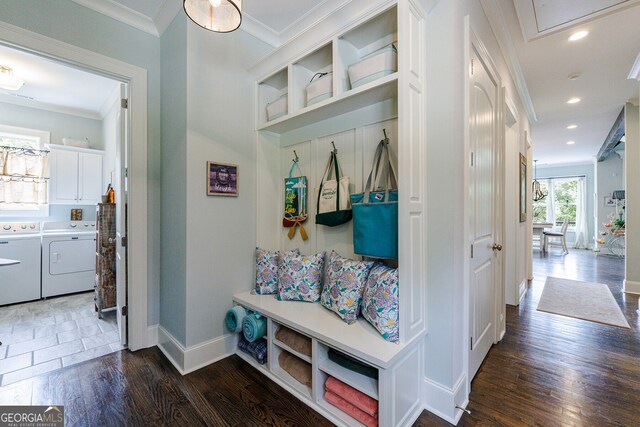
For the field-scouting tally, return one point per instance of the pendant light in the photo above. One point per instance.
(8, 80)
(537, 192)
(220, 16)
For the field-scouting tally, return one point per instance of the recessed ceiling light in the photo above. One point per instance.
(573, 100)
(570, 142)
(572, 126)
(578, 35)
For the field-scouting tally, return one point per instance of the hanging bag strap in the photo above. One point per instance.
(332, 165)
(383, 175)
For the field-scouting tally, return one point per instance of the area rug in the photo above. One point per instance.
(582, 300)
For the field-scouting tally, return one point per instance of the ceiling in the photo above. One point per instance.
(546, 57)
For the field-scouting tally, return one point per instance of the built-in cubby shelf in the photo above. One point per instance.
(368, 386)
(272, 89)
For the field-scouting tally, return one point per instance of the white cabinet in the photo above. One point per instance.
(76, 176)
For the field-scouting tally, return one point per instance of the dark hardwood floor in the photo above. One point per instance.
(549, 370)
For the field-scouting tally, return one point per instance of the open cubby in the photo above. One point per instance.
(270, 90)
(301, 388)
(319, 61)
(366, 385)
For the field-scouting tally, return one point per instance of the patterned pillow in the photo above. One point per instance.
(267, 271)
(380, 301)
(300, 277)
(343, 286)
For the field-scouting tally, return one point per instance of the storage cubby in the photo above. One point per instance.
(304, 70)
(362, 41)
(285, 376)
(360, 382)
(284, 346)
(273, 91)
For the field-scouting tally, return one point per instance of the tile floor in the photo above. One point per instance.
(42, 336)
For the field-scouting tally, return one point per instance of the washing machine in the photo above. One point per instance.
(68, 257)
(20, 282)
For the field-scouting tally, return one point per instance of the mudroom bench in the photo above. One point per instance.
(395, 364)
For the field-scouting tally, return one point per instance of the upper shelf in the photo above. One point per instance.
(370, 93)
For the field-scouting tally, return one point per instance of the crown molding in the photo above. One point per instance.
(634, 74)
(316, 14)
(259, 30)
(32, 103)
(123, 14)
(165, 14)
(498, 23)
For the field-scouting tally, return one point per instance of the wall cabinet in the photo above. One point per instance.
(353, 117)
(76, 176)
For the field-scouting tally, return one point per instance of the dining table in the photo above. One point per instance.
(538, 230)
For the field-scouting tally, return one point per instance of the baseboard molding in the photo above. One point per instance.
(152, 336)
(192, 358)
(442, 401)
(631, 287)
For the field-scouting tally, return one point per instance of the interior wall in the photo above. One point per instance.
(514, 271)
(60, 125)
(632, 193)
(110, 138)
(173, 292)
(221, 231)
(587, 170)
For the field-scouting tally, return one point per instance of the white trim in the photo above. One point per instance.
(259, 30)
(121, 13)
(443, 401)
(34, 103)
(152, 335)
(189, 359)
(635, 70)
(136, 77)
(165, 14)
(631, 287)
(498, 23)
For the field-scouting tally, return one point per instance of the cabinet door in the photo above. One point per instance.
(89, 178)
(64, 177)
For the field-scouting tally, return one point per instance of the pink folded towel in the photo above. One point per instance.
(355, 397)
(351, 410)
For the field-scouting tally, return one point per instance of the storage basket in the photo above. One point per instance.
(320, 88)
(277, 108)
(373, 66)
(75, 143)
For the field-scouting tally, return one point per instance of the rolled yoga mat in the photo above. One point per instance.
(234, 318)
(254, 326)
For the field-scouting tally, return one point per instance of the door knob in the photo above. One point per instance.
(496, 247)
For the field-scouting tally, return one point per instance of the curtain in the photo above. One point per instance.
(23, 176)
(582, 238)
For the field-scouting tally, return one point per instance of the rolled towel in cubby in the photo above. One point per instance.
(234, 318)
(254, 326)
(350, 410)
(357, 398)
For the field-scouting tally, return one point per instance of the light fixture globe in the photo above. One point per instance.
(8, 80)
(221, 16)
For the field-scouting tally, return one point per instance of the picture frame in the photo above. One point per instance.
(222, 179)
(523, 188)
(609, 202)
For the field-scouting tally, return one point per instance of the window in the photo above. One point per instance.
(23, 172)
(561, 202)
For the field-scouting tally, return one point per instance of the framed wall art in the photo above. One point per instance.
(222, 179)
(523, 188)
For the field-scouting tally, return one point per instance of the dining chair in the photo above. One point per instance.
(560, 235)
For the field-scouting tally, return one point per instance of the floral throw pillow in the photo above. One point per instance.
(343, 286)
(267, 271)
(380, 301)
(300, 277)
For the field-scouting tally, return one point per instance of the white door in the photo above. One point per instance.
(120, 188)
(482, 194)
(90, 178)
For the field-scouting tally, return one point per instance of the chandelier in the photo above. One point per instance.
(220, 16)
(537, 192)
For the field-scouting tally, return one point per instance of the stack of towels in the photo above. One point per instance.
(352, 402)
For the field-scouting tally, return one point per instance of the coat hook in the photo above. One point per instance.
(335, 150)
(384, 131)
(296, 159)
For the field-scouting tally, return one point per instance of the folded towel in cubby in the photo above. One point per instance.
(257, 349)
(297, 368)
(295, 340)
(357, 398)
(352, 364)
(350, 410)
